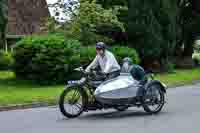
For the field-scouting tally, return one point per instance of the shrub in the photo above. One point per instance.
(87, 54)
(196, 58)
(6, 60)
(45, 59)
(123, 51)
(51, 59)
(170, 67)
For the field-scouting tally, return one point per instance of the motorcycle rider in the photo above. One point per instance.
(106, 61)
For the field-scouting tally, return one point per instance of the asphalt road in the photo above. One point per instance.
(181, 114)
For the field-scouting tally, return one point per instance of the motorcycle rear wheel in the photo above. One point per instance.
(159, 102)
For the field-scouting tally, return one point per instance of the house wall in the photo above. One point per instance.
(25, 16)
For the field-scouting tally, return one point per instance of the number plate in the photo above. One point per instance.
(73, 82)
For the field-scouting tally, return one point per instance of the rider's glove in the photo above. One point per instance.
(87, 73)
(105, 75)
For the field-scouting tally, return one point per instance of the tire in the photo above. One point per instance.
(161, 102)
(121, 108)
(67, 91)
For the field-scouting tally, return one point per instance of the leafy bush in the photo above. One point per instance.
(170, 67)
(87, 54)
(6, 60)
(45, 59)
(51, 59)
(123, 51)
(196, 58)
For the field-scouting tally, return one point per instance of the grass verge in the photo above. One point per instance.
(180, 77)
(13, 91)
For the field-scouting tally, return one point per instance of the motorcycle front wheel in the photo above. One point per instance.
(72, 102)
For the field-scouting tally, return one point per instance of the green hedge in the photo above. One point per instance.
(123, 51)
(45, 59)
(6, 60)
(51, 58)
(87, 54)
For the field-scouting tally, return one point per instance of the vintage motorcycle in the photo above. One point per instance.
(93, 91)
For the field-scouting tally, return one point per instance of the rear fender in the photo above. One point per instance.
(163, 86)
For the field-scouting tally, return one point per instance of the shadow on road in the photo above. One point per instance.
(115, 115)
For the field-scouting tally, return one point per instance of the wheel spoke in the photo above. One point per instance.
(74, 96)
(72, 102)
(78, 105)
(72, 110)
(77, 108)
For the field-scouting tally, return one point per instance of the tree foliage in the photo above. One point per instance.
(92, 18)
(189, 21)
(158, 29)
(152, 27)
(120, 8)
(86, 22)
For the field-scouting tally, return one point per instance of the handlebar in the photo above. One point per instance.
(93, 72)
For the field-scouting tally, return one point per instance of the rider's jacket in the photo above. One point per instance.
(107, 63)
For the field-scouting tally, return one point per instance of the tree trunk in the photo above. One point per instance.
(153, 64)
(195, 5)
(188, 49)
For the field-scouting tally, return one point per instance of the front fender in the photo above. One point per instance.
(163, 86)
(78, 86)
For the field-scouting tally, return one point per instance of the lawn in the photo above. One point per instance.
(13, 91)
(23, 92)
(180, 77)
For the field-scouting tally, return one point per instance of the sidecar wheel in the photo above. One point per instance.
(153, 99)
(72, 102)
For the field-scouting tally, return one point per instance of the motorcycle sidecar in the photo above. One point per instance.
(117, 91)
